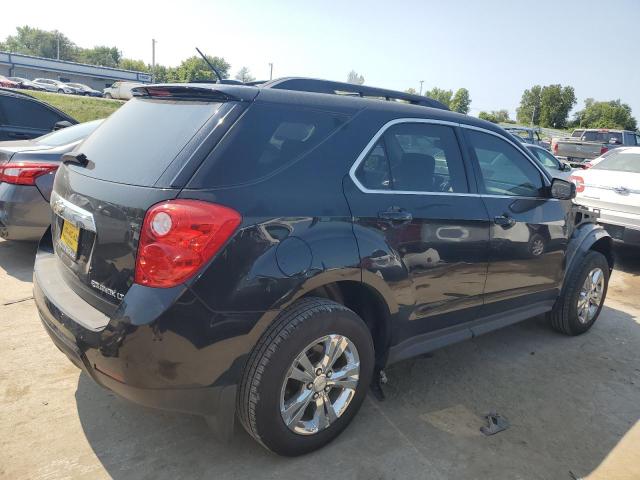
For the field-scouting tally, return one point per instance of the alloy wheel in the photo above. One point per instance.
(320, 384)
(590, 296)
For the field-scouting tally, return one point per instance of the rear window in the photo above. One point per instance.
(268, 138)
(621, 162)
(139, 140)
(602, 137)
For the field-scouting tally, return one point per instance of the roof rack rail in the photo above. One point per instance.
(349, 89)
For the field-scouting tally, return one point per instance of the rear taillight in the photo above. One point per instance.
(603, 150)
(579, 181)
(180, 236)
(555, 149)
(25, 173)
(587, 165)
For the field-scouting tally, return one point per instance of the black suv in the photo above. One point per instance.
(266, 251)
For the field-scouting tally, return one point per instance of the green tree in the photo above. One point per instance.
(195, 68)
(411, 91)
(611, 114)
(461, 101)
(442, 96)
(556, 102)
(137, 65)
(41, 43)
(244, 75)
(100, 55)
(529, 110)
(355, 78)
(496, 116)
(547, 106)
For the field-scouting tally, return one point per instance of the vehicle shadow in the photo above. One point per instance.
(569, 400)
(627, 258)
(16, 259)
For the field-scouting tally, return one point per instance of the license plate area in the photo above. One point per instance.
(69, 239)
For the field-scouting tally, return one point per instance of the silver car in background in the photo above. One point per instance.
(612, 187)
(54, 85)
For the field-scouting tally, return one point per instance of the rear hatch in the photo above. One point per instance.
(142, 155)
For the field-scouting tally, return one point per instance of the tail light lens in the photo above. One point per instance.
(579, 181)
(180, 236)
(587, 165)
(555, 148)
(603, 150)
(25, 173)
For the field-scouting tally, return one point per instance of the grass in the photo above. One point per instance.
(82, 109)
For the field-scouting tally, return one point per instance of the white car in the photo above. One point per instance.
(120, 90)
(612, 187)
(54, 85)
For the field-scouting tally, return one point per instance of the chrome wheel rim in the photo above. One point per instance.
(590, 296)
(537, 247)
(320, 384)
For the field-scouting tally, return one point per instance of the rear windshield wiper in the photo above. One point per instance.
(76, 158)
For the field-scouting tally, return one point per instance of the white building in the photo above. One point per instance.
(27, 66)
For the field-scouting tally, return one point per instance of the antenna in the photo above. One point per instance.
(210, 65)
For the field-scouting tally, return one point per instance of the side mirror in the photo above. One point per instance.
(563, 190)
(61, 124)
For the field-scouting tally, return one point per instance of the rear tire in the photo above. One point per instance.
(280, 402)
(60, 90)
(585, 290)
(108, 95)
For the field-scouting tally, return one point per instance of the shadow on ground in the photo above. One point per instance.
(16, 259)
(569, 401)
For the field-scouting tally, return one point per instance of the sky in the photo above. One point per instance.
(494, 48)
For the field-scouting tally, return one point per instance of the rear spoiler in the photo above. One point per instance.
(186, 92)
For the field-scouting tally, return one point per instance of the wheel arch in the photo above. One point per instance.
(588, 237)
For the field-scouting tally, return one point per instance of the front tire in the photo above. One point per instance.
(60, 90)
(108, 95)
(585, 290)
(307, 377)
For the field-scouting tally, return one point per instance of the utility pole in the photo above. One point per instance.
(421, 82)
(153, 60)
(533, 114)
(270, 71)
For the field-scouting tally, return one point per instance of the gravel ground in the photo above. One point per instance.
(573, 404)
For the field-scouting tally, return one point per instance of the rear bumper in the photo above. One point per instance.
(24, 213)
(150, 364)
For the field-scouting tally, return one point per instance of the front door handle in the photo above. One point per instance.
(504, 221)
(397, 215)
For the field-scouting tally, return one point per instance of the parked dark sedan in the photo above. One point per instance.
(27, 168)
(85, 90)
(23, 117)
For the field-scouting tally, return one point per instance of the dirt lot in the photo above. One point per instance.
(573, 404)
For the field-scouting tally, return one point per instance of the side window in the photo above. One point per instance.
(546, 158)
(637, 139)
(415, 157)
(504, 169)
(26, 113)
(269, 137)
(373, 171)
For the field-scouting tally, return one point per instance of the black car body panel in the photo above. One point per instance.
(438, 266)
(23, 117)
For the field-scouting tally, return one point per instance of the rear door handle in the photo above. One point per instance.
(504, 221)
(396, 215)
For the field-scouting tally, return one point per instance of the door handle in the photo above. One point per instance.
(397, 215)
(504, 221)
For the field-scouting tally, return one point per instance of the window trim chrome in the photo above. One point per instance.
(397, 121)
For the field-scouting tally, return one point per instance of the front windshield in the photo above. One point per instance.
(621, 162)
(69, 135)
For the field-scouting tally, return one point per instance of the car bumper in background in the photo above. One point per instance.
(622, 226)
(24, 213)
